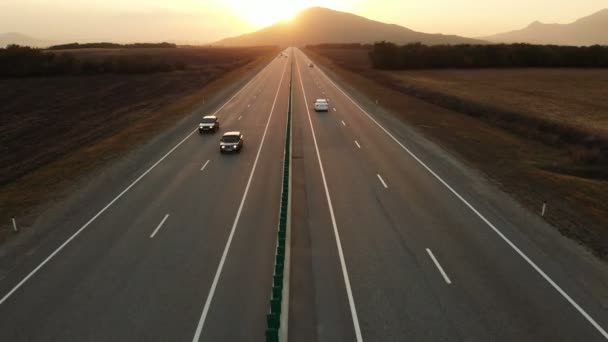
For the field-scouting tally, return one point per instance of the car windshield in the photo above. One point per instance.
(208, 120)
(230, 138)
(321, 101)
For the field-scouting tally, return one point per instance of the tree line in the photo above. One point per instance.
(23, 61)
(104, 45)
(352, 46)
(389, 56)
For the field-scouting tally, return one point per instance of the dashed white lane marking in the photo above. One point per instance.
(382, 181)
(343, 123)
(445, 276)
(159, 225)
(357, 143)
(204, 166)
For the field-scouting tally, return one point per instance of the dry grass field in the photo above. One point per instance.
(54, 129)
(539, 134)
(576, 96)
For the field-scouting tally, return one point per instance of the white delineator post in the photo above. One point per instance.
(542, 213)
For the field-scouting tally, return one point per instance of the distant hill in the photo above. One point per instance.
(21, 39)
(319, 25)
(590, 30)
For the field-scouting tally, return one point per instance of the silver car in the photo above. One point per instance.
(231, 142)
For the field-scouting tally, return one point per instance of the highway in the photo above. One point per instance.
(390, 241)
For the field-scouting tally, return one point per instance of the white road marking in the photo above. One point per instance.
(73, 236)
(159, 225)
(445, 276)
(349, 291)
(204, 166)
(485, 220)
(248, 105)
(240, 117)
(357, 143)
(382, 181)
(220, 267)
(334, 109)
(343, 123)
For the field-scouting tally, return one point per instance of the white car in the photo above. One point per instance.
(321, 105)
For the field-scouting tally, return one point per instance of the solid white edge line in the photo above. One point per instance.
(496, 230)
(220, 267)
(204, 166)
(438, 265)
(382, 181)
(62, 246)
(357, 143)
(349, 291)
(159, 225)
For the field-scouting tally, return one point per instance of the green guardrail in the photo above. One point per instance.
(273, 318)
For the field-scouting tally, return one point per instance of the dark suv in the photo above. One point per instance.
(209, 124)
(231, 142)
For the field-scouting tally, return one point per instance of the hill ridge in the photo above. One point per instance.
(317, 25)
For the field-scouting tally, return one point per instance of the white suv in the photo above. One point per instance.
(321, 105)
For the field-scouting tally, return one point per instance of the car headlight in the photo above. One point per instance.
(223, 146)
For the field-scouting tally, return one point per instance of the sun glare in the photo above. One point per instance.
(264, 13)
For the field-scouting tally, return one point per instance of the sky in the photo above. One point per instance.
(203, 21)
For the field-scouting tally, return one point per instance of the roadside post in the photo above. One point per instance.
(542, 213)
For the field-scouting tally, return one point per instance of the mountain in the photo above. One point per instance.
(21, 39)
(589, 30)
(319, 25)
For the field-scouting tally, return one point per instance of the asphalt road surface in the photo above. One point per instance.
(390, 241)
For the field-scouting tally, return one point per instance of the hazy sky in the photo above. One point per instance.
(201, 21)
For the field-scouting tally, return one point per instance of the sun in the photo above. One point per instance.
(265, 12)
